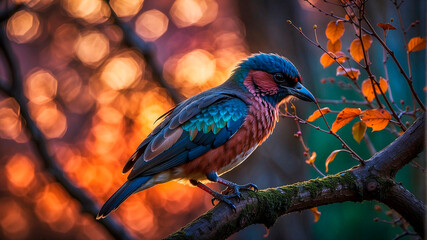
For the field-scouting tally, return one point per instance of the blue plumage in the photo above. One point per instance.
(205, 122)
(122, 194)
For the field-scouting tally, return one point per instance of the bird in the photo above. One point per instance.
(214, 131)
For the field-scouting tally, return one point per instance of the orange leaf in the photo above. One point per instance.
(386, 26)
(416, 44)
(377, 119)
(341, 57)
(326, 60)
(312, 158)
(352, 73)
(334, 30)
(344, 117)
(368, 91)
(359, 130)
(317, 114)
(334, 47)
(316, 213)
(356, 50)
(332, 157)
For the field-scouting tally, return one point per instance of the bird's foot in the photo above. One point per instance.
(224, 198)
(234, 189)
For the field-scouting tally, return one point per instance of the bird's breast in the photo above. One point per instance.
(257, 126)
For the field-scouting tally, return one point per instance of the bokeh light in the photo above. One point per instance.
(151, 25)
(92, 11)
(40, 86)
(13, 221)
(23, 26)
(92, 47)
(126, 8)
(185, 13)
(10, 123)
(122, 70)
(51, 120)
(20, 171)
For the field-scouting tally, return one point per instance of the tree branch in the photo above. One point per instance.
(368, 182)
(39, 142)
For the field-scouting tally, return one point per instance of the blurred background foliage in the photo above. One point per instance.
(95, 99)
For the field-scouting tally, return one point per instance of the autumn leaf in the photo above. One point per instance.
(341, 57)
(334, 46)
(316, 213)
(377, 119)
(359, 130)
(312, 158)
(344, 117)
(334, 30)
(352, 73)
(332, 157)
(356, 50)
(386, 26)
(416, 44)
(326, 60)
(317, 114)
(368, 91)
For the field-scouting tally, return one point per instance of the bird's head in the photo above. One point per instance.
(271, 77)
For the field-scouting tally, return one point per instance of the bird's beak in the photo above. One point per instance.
(302, 93)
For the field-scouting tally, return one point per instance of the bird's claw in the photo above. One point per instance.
(225, 195)
(225, 199)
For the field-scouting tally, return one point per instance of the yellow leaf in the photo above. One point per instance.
(368, 91)
(351, 73)
(416, 44)
(334, 30)
(316, 213)
(312, 158)
(356, 50)
(334, 47)
(317, 114)
(377, 119)
(344, 117)
(331, 158)
(359, 130)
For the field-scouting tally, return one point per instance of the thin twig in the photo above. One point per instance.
(344, 144)
(368, 70)
(343, 101)
(391, 53)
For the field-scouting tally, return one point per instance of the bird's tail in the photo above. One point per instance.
(121, 194)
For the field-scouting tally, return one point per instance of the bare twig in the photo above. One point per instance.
(39, 142)
(342, 101)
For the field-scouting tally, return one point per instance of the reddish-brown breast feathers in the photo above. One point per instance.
(260, 83)
(258, 125)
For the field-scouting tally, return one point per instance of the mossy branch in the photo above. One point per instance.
(372, 181)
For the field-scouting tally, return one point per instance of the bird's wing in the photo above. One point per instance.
(188, 133)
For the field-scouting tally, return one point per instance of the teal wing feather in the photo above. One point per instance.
(188, 134)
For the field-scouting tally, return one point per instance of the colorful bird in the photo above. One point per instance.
(211, 133)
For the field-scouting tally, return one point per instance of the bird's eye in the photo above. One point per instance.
(279, 77)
